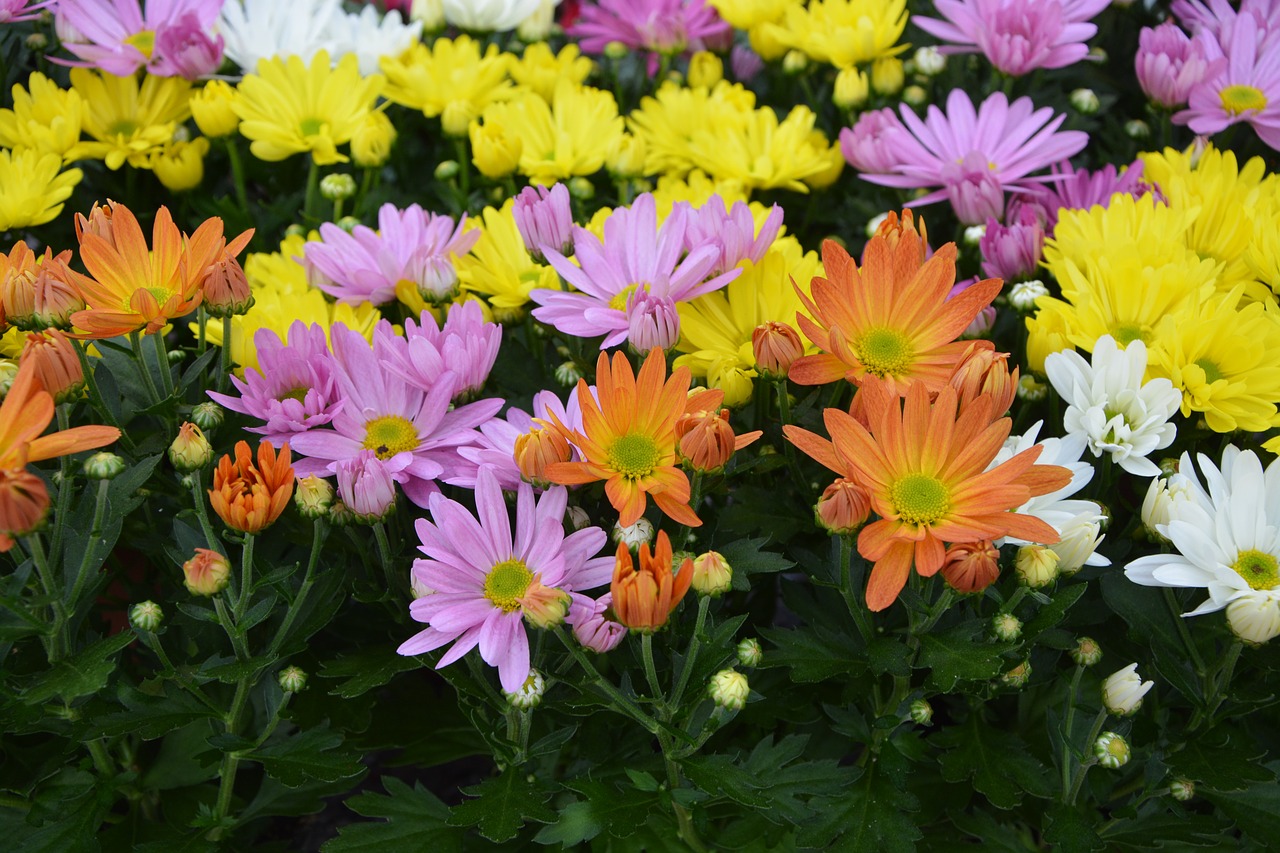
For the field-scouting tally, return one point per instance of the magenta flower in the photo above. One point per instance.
(591, 626)
(636, 255)
(871, 145)
(410, 245)
(544, 218)
(293, 390)
(1078, 189)
(465, 346)
(1169, 64)
(366, 486)
(496, 447)
(661, 26)
(965, 153)
(15, 11)
(172, 38)
(731, 231)
(1016, 36)
(1241, 85)
(745, 63)
(1217, 16)
(1012, 251)
(487, 578)
(414, 432)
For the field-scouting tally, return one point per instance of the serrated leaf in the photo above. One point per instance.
(957, 655)
(500, 805)
(1071, 832)
(748, 557)
(999, 763)
(1163, 830)
(150, 717)
(642, 780)
(1224, 759)
(231, 671)
(85, 673)
(365, 670)
(813, 653)
(411, 819)
(307, 756)
(606, 808)
(1255, 810)
(1055, 611)
(872, 816)
(887, 656)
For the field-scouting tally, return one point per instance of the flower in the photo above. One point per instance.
(661, 26)
(489, 15)
(207, 573)
(729, 690)
(365, 486)
(1016, 36)
(465, 345)
(1012, 251)
(775, 347)
(32, 187)
(1122, 691)
(644, 598)
(369, 35)
(628, 438)
(731, 230)
(843, 507)
(119, 37)
(592, 626)
(1086, 652)
(706, 441)
(712, 574)
(313, 496)
(1111, 750)
(1169, 64)
(16, 11)
(544, 218)
(450, 75)
(529, 696)
(36, 291)
(46, 118)
(484, 575)
(249, 497)
(255, 30)
(971, 566)
(1242, 83)
(499, 268)
(871, 145)
(179, 166)
(841, 32)
(1159, 506)
(1110, 405)
(1037, 566)
(924, 466)
(190, 450)
(1254, 619)
(1006, 627)
(129, 122)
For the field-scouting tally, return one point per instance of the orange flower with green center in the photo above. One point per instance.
(630, 438)
(889, 319)
(924, 466)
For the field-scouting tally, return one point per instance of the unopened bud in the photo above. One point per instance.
(973, 234)
(1037, 566)
(146, 616)
(292, 679)
(794, 62)
(348, 223)
(914, 95)
(616, 50)
(634, 535)
(190, 451)
(530, 693)
(1031, 389)
(775, 347)
(1006, 627)
(37, 41)
(729, 690)
(1024, 294)
(337, 187)
(1122, 691)
(581, 188)
(1018, 676)
(1085, 101)
(208, 416)
(579, 518)
(930, 61)
(887, 75)
(207, 573)
(568, 374)
(1182, 789)
(712, 574)
(1086, 652)
(1137, 129)
(1111, 750)
(104, 466)
(749, 652)
(852, 89)
(447, 170)
(313, 496)
(921, 712)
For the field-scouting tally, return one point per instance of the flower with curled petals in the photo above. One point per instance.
(250, 496)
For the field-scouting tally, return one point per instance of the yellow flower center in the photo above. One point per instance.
(619, 302)
(144, 41)
(1239, 99)
(299, 394)
(506, 583)
(920, 499)
(884, 352)
(162, 295)
(124, 127)
(1211, 372)
(1258, 568)
(1127, 333)
(390, 434)
(634, 456)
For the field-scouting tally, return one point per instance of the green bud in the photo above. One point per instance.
(447, 170)
(337, 187)
(146, 616)
(292, 679)
(208, 416)
(749, 652)
(104, 466)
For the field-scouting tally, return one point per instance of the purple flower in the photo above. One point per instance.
(871, 145)
(366, 486)
(1217, 16)
(731, 231)
(1242, 83)
(465, 346)
(14, 11)
(660, 26)
(745, 63)
(973, 189)
(495, 448)
(1077, 189)
(485, 576)
(171, 38)
(591, 627)
(293, 390)
(1169, 64)
(410, 246)
(1012, 251)
(1016, 36)
(185, 50)
(544, 218)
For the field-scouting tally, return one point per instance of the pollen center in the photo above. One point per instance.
(634, 456)
(390, 434)
(920, 499)
(144, 41)
(1127, 333)
(1211, 372)
(619, 302)
(884, 352)
(1259, 569)
(311, 126)
(506, 583)
(1239, 99)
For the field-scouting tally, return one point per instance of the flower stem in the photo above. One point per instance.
(1078, 779)
(237, 173)
(1181, 622)
(197, 498)
(230, 625)
(95, 396)
(622, 703)
(684, 820)
(319, 532)
(246, 577)
(224, 375)
(162, 356)
(686, 668)
(313, 188)
(41, 560)
(1066, 730)
(845, 543)
(231, 760)
(135, 338)
(650, 672)
(384, 555)
(91, 547)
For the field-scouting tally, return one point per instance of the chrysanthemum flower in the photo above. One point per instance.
(288, 107)
(643, 598)
(499, 267)
(489, 15)
(891, 318)
(496, 448)
(486, 578)
(250, 496)
(591, 626)
(1078, 189)
(842, 32)
(661, 26)
(16, 11)
(733, 230)
(169, 38)
(540, 70)
(1169, 64)
(452, 75)
(666, 120)
(1242, 84)
(925, 468)
(628, 438)
(47, 118)
(767, 153)
(33, 187)
(36, 290)
(1016, 36)
(127, 120)
(370, 34)
(265, 29)
(465, 345)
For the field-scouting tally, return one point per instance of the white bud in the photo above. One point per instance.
(1165, 496)
(729, 690)
(530, 693)
(1254, 617)
(1111, 750)
(973, 234)
(1123, 690)
(578, 517)
(1024, 294)
(1031, 389)
(640, 533)
(929, 61)
(1085, 100)
(1078, 542)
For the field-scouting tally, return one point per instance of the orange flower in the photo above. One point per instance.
(630, 439)
(24, 502)
(775, 346)
(36, 291)
(982, 370)
(538, 448)
(705, 439)
(891, 318)
(249, 497)
(924, 467)
(971, 566)
(643, 599)
(54, 361)
(843, 507)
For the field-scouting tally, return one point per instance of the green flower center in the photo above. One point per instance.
(311, 126)
(1258, 568)
(1211, 372)
(1238, 99)
(633, 456)
(884, 352)
(144, 41)
(390, 434)
(920, 499)
(506, 583)
(299, 394)
(124, 127)
(1127, 333)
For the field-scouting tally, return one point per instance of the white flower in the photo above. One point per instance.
(429, 12)
(1112, 407)
(974, 233)
(1254, 617)
(1077, 546)
(635, 535)
(370, 35)
(1227, 534)
(1024, 294)
(260, 29)
(1123, 690)
(1163, 496)
(488, 15)
(540, 22)
(930, 61)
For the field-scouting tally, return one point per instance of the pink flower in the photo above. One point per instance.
(171, 38)
(1242, 84)
(1077, 189)
(745, 63)
(871, 145)
(731, 231)
(410, 245)
(591, 627)
(652, 321)
(1169, 64)
(661, 26)
(973, 189)
(1217, 16)
(293, 390)
(636, 255)
(966, 152)
(1012, 251)
(366, 486)
(485, 576)
(185, 50)
(1016, 36)
(465, 346)
(495, 448)
(14, 11)
(544, 218)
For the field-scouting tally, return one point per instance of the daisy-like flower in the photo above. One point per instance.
(410, 246)
(47, 118)
(127, 120)
(172, 38)
(733, 231)
(370, 35)
(489, 15)
(487, 579)
(635, 255)
(1242, 84)
(466, 346)
(1078, 189)
(33, 187)
(1110, 405)
(451, 76)
(266, 29)
(891, 318)
(1016, 36)
(661, 26)
(1226, 537)
(250, 496)
(925, 468)
(16, 11)
(975, 156)
(842, 32)
(628, 439)
(495, 449)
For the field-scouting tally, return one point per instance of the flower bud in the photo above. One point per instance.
(538, 448)
(1137, 129)
(179, 166)
(712, 574)
(1018, 676)
(37, 42)
(456, 118)
(625, 156)
(540, 23)
(930, 61)
(1122, 691)
(37, 292)
(591, 626)
(852, 89)
(843, 507)
(581, 188)
(568, 374)
(544, 219)
(207, 573)
(313, 496)
(705, 440)
(635, 535)
(973, 234)
(1164, 497)
(579, 518)
(372, 141)
(447, 170)
(1085, 101)
(208, 416)
(25, 502)
(1037, 565)
(190, 451)
(1024, 294)
(971, 566)
(775, 347)
(705, 69)
(366, 487)
(1086, 652)
(729, 690)
(104, 466)
(887, 75)
(749, 652)
(1111, 750)
(1006, 627)
(794, 62)
(616, 50)
(544, 606)
(430, 12)
(146, 616)
(874, 223)
(495, 152)
(921, 712)
(292, 679)
(914, 96)
(51, 356)
(645, 596)
(211, 108)
(530, 693)
(1182, 789)
(337, 187)
(1254, 618)
(1031, 389)
(226, 288)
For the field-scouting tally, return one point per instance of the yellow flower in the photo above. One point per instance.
(499, 267)
(696, 188)
(569, 137)
(844, 32)
(745, 14)
(372, 141)
(667, 121)
(127, 121)
(451, 71)
(32, 191)
(180, 165)
(287, 108)
(495, 152)
(1139, 229)
(541, 71)
(46, 119)
(765, 153)
(211, 108)
(705, 70)
(1046, 333)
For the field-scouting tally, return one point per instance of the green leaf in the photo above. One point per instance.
(1256, 810)
(1054, 612)
(642, 780)
(150, 717)
(1218, 761)
(411, 819)
(1070, 831)
(1161, 830)
(999, 763)
(872, 816)
(365, 670)
(308, 756)
(81, 675)
(748, 557)
(956, 655)
(606, 809)
(68, 809)
(886, 656)
(502, 804)
(813, 653)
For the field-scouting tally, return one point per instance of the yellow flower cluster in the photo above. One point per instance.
(36, 137)
(1191, 274)
(843, 33)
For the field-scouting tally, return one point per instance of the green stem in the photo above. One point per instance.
(135, 338)
(366, 184)
(237, 173)
(41, 559)
(91, 384)
(1014, 599)
(684, 820)
(95, 533)
(231, 760)
(1072, 691)
(650, 672)
(232, 628)
(1181, 622)
(101, 758)
(313, 187)
(197, 498)
(622, 703)
(151, 640)
(935, 612)
(337, 209)
(686, 668)
(384, 555)
(246, 577)
(1078, 779)
(319, 532)
(162, 356)
(202, 338)
(859, 613)
(275, 721)
(464, 170)
(224, 375)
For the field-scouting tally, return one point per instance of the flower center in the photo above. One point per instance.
(1258, 568)
(884, 352)
(634, 456)
(124, 127)
(619, 302)
(506, 583)
(299, 394)
(1127, 333)
(311, 126)
(1211, 372)
(1239, 99)
(390, 434)
(144, 41)
(919, 499)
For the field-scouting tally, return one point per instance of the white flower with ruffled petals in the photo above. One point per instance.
(371, 35)
(260, 29)
(489, 15)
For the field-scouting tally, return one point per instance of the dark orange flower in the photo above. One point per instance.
(644, 598)
(775, 346)
(538, 448)
(24, 501)
(971, 566)
(843, 507)
(53, 358)
(250, 497)
(36, 291)
(706, 441)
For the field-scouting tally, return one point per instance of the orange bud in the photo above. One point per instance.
(544, 606)
(706, 439)
(971, 566)
(775, 346)
(249, 497)
(538, 448)
(207, 573)
(24, 501)
(190, 451)
(644, 598)
(97, 222)
(226, 289)
(902, 232)
(36, 291)
(52, 357)
(982, 370)
(843, 507)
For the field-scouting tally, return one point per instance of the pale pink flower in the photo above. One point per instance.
(496, 447)
(591, 626)
(366, 486)
(745, 63)
(732, 231)
(544, 218)
(661, 26)
(1242, 84)
(652, 321)
(171, 38)
(465, 346)
(14, 11)
(1169, 64)
(1011, 251)
(1016, 36)
(871, 145)
(1217, 16)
